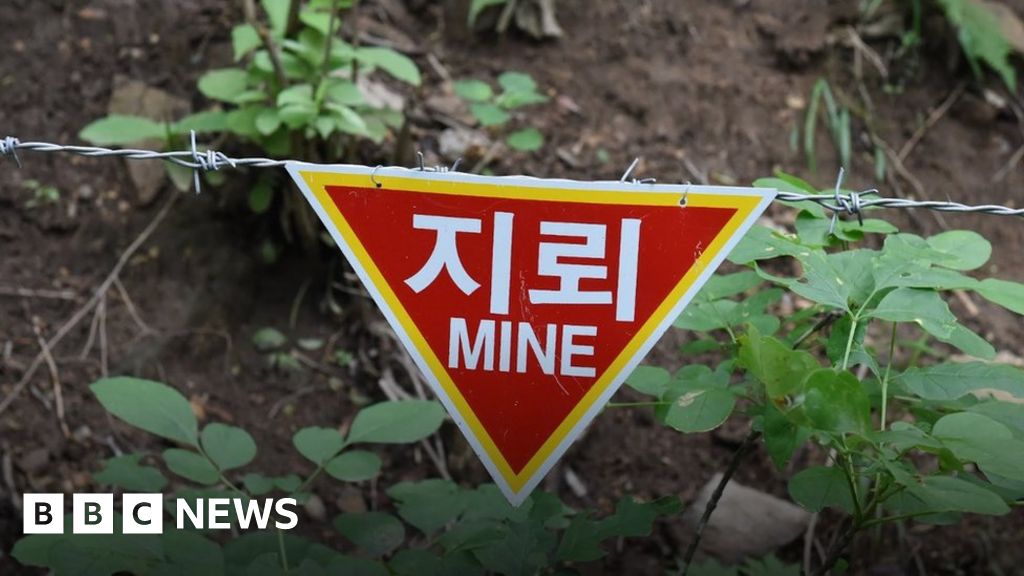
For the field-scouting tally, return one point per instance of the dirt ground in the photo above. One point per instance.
(699, 89)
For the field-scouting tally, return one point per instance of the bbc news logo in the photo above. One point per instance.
(144, 513)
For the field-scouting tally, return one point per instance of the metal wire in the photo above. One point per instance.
(853, 203)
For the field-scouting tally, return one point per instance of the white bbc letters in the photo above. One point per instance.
(92, 514)
(142, 514)
(42, 513)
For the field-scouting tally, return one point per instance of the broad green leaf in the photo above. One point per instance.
(979, 439)
(473, 90)
(229, 447)
(298, 94)
(774, 364)
(1009, 414)
(821, 487)
(580, 541)
(126, 472)
(922, 307)
(523, 551)
(954, 380)
(964, 249)
(318, 444)
(415, 562)
(375, 532)
(200, 122)
(970, 343)
(188, 552)
(477, 6)
(949, 494)
(343, 91)
(244, 39)
(118, 130)
(526, 140)
(348, 120)
(1009, 295)
(633, 519)
(354, 466)
(782, 436)
(726, 285)
(650, 380)
(257, 484)
(981, 38)
(488, 114)
(822, 283)
(277, 12)
(266, 339)
(394, 63)
(835, 402)
(223, 84)
(904, 436)
(191, 466)
(428, 505)
(268, 121)
(518, 99)
(400, 422)
(151, 406)
(761, 243)
(517, 82)
(700, 410)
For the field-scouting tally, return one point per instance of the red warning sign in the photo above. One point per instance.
(526, 302)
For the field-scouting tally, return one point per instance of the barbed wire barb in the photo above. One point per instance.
(839, 202)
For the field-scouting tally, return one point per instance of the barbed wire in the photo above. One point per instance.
(839, 202)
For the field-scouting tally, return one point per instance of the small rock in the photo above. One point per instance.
(463, 143)
(747, 523)
(315, 508)
(575, 483)
(135, 98)
(450, 106)
(351, 500)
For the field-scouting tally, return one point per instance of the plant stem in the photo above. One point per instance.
(737, 457)
(837, 548)
(849, 340)
(249, 8)
(885, 378)
(280, 547)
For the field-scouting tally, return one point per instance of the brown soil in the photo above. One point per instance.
(716, 83)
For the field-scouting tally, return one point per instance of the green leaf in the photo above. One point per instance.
(267, 339)
(244, 39)
(526, 140)
(964, 249)
(343, 91)
(224, 84)
(151, 406)
(188, 552)
(523, 551)
(191, 466)
(821, 487)
(277, 12)
(202, 122)
(970, 343)
(954, 380)
(1009, 414)
(260, 197)
(774, 364)
(488, 114)
(922, 307)
(822, 282)
(229, 447)
(1009, 295)
(650, 380)
(473, 90)
(762, 243)
(394, 63)
(949, 494)
(268, 121)
(400, 422)
(375, 532)
(126, 472)
(633, 519)
(352, 566)
(318, 444)
(118, 130)
(517, 82)
(781, 435)
(979, 439)
(428, 505)
(477, 6)
(700, 410)
(354, 466)
(257, 484)
(580, 541)
(836, 402)
(726, 285)
(981, 37)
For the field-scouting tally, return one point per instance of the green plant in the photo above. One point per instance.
(981, 37)
(837, 121)
(298, 92)
(493, 110)
(906, 436)
(457, 530)
(42, 194)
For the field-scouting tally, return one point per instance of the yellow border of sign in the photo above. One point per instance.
(748, 202)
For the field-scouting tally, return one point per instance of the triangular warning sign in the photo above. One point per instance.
(526, 302)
